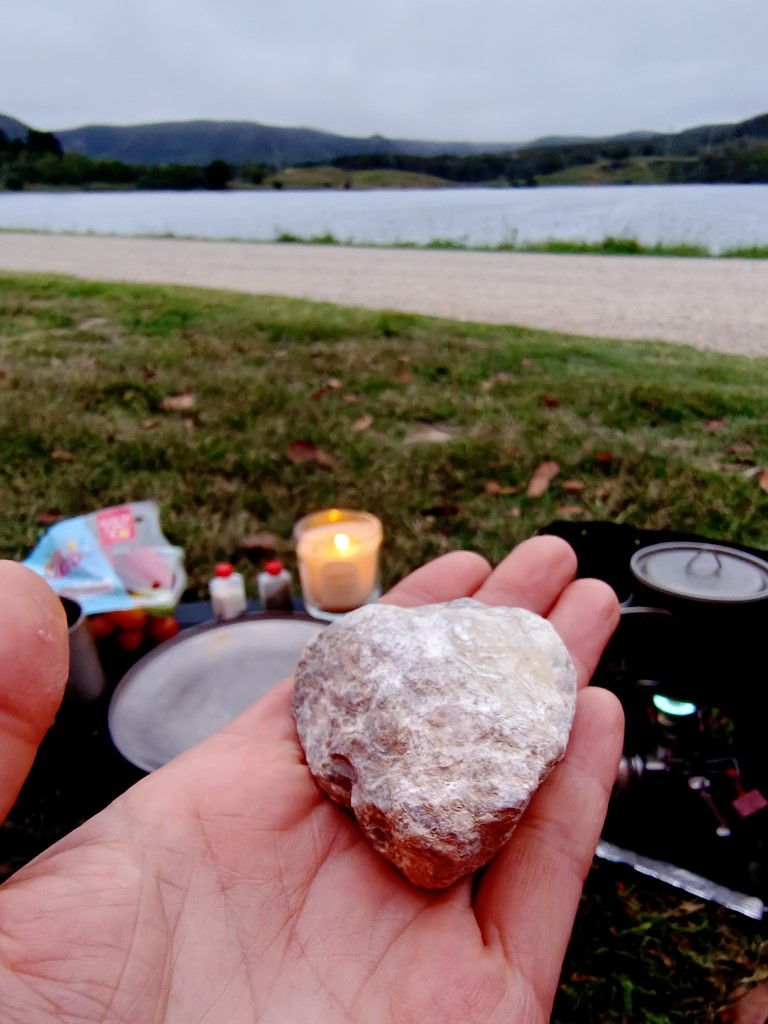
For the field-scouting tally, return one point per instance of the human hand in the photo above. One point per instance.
(225, 887)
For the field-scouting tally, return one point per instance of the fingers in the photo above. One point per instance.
(537, 575)
(531, 576)
(34, 658)
(528, 898)
(458, 574)
(585, 615)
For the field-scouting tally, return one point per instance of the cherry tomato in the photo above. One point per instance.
(130, 639)
(130, 619)
(162, 629)
(100, 626)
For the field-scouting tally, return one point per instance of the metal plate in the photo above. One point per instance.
(191, 686)
(712, 573)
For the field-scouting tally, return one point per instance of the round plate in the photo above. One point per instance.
(191, 686)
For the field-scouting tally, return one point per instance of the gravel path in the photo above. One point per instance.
(709, 303)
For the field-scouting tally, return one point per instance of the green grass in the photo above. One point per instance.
(657, 435)
(334, 177)
(611, 245)
(86, 367)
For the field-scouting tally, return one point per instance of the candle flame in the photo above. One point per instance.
(341, 540)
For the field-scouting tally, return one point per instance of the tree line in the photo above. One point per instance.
(689, 158)
(737, 161)
(39, 160)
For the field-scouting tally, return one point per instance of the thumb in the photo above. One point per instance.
(34, 660)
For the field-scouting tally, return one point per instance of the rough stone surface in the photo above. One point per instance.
(435, 725)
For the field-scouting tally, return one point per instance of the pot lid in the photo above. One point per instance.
(702, 572)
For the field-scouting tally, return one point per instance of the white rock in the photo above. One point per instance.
(435, 725)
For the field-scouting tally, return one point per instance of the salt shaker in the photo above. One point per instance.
(275, 588)
(227, 590)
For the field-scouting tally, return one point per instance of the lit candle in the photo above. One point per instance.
(338, 558)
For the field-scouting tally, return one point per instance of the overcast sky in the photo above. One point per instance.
(484, 70)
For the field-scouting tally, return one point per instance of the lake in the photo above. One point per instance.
(716, 216)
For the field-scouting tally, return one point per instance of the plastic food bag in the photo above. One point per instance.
(113, 559)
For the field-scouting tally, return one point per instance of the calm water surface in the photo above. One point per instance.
(717, 216)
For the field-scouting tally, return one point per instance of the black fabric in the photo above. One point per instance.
(713, 656)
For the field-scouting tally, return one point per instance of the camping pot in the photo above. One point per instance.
(715, 599)
(681, 575)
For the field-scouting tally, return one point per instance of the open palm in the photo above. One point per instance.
(225, 887)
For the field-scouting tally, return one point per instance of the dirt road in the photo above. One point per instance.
(709, 303)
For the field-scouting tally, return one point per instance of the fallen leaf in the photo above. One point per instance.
(542, 477)
(604, 459)
(427, 433)
(494, 487)
(149, 424)
(189, 422)
(496, 378)
(260, 541)
(440, 511)
(300, 452)
(59, 455)
(333, 384)
(405, 377)
(666, 959)
(566, 511)
(148, 373)
(573, 486)
(515, 512)
(526, 364)
(763, 480)
(179, 403)
(350, 399)
(318, 393)
(715, 426)
(750, 1009)
(49, 516)
(550, 402)
(741, 448)
(362, 423)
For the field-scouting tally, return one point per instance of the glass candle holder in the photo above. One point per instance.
(337, 552)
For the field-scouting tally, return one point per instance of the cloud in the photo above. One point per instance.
(454, 69)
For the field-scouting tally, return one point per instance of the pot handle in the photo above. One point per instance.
(627, 608)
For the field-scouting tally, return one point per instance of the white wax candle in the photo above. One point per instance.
(339, 562)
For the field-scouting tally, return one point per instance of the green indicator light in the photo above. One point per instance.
(676, 708)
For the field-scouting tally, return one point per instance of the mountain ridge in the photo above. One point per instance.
(200, 141)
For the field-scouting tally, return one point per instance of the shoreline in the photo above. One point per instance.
(711, 303)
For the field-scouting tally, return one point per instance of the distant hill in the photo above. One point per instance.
(13, 129)
(241, 142)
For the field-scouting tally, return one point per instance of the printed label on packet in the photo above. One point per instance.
(115, 526)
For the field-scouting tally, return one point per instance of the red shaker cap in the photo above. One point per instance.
(224, 569)
(274, 568)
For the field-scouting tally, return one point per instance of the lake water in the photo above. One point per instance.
(716, 216)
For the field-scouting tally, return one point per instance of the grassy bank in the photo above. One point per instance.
(436, 425)
(239, 414)
(610, 245)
